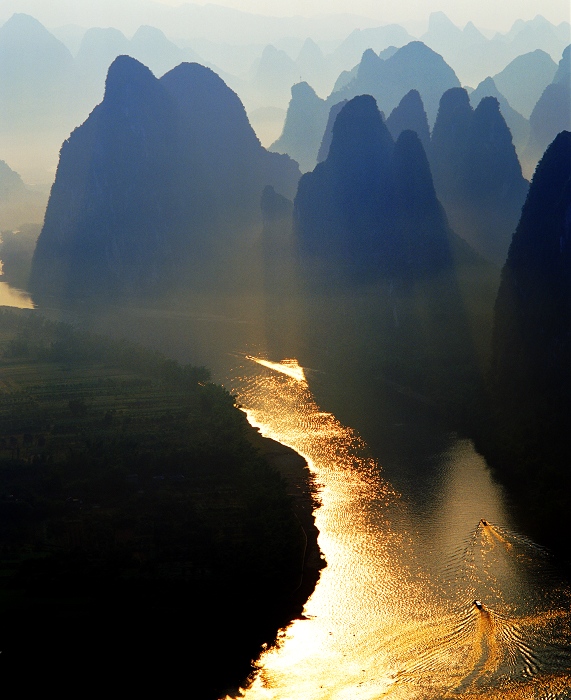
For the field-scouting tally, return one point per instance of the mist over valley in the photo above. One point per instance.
(292, 353)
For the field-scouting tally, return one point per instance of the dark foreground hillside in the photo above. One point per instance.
(529, 444)
(143, 536)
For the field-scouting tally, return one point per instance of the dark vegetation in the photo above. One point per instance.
(139, 524)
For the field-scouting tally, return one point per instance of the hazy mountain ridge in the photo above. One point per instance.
(37, 83)
(19, 204)
(31, 147)
(474, 56)
(304, 126)
(477, 173)
(518, 124)
(523, 80)
(409, 114)
(412, 67)
(552, 113)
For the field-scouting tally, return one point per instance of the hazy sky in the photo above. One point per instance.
(494, 14)
(487, 14)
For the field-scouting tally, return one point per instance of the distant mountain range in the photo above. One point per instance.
(552, 113)
(412, 67)
(474, 56)
(51, 80)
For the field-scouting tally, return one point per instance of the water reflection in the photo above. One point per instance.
(9, 296)
(434, 599)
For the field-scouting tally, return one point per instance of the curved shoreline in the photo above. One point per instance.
(300, 486)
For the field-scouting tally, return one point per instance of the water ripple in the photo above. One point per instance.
(414, 604)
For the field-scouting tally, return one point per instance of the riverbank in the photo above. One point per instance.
(301, 488)
(143, 519)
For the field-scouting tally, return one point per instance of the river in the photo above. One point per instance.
(10, 296)
(429, 591)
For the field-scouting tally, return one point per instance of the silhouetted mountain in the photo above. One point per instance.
(493, 170)
(277, 239)
(100, 47)
(477, 173)
(420, 240)
(371, 206)
(275, 207)
(307, 118)
(339, 80)
(337, 205)
(410, 114)
(524, 79)
(32, 64)
(304, 126)
(328, 133)
(472, 35)
(448, 141)
(533, 313)
(518, 125)
(563, 72)
(369, 67)
(552, 113)
(474, 56)
(388, 52)
(159, 188)
(309, 55)
(344, 78)
(412, 67)
(531, 360)
(380, 265)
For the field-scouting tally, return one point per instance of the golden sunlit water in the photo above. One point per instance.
(428, 602)
(9, 296)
